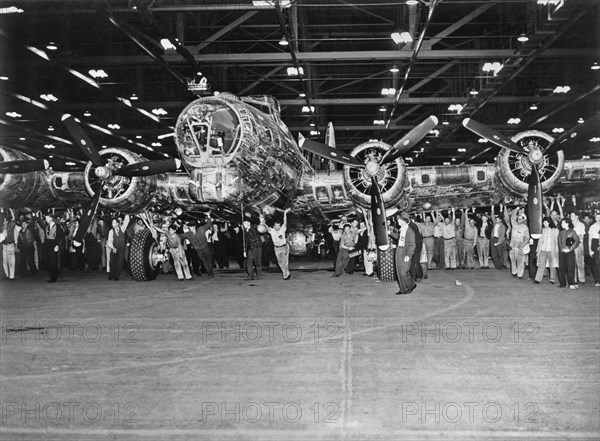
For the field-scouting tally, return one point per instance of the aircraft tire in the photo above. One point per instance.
(140, 266)
(385, 265)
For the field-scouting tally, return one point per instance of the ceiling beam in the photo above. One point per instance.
(330, 56)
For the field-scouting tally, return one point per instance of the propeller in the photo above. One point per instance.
(371, 168)
(534, 203)
(492, 136)
(534, 190)
(409, 140)
(378, 216)
(105, 173)
(24, 166)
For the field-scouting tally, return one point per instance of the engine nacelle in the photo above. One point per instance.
(513, 169)
(392, 177)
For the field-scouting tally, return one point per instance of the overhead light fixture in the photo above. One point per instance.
(394, 69)
(580, 121)
(312, 124)
(301, 94)
(48, 97)
(314, 133)
(69, 163)
(306, 109)
(561, 89)
(294, 72)
(283, 41)
(159, 111)
(386, 91)
(595, 66)
(412, 2)
(13, 114)
(462, 150)
(11, 10)
(39, 52)
(522, 38)
(138, 136)
(453, 159)
(558, 130)
(445, 122)
(167, 45)
(133, 97)
(100, 73)
(482, 140)
(401, 37)
(595, 139)
(434, 132)
(84, 78)
(4, 78)
(549, 2)
(474, 92)
(22, 139)
(514, 120)
(49, 146)
(446, 163)
(533, 107)
(114, 126)
(456, 107)
(50, 129)
(494, 67)
(382, 109)
(166, 135)
(87, 113)
(51, 46)
(156, 144)
(378, 122)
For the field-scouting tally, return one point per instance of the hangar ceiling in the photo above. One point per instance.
(344, 48)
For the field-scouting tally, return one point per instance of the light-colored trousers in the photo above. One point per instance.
(580, 263)
(517, 262)
(367, 262)
(180, 263)
(283, 259)
(483, 251)
(541, 263)
(8, 260)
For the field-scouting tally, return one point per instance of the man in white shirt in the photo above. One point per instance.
(594, 248)
(579, 228)
(282, 250)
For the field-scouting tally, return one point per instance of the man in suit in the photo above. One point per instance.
(53, 239)
(498, 239)
(117, 244)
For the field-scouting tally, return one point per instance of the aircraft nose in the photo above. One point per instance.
(372, 168)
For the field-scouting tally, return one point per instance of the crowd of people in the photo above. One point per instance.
(567, 251)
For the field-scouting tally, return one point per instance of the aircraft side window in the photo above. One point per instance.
(480, 175)
(424, 179)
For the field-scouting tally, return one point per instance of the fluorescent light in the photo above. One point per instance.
(494, 67)
(456, 107)
(394, 69)
(50, 129)
(48, 97)
(474, 92)
(69, 163)
(580, 121)
(167, 45)
(166, 135)
(133, 97)
(271, 3)
(558, 130)
(382, 109)
(412, 2)
(159, 111)
(38, 52)
(401, 37)
(561, 89)
(13, 114)
(148, 114)
(293, 72)
(49, 146)
(306, 109)
(51, 46)
(514, 120)
(386, 91)
(100, 73)
(87, 113)
(522, 38)
(595, 66)
(114, 126)
(378, 122)
(84, 78)
(301, 94)
(11, 10)
(533, 107)
(4, 78)
(30, 101)
(283, 42)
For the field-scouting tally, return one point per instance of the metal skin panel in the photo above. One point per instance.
(34, 189)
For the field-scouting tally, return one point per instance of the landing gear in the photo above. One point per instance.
(144, 257)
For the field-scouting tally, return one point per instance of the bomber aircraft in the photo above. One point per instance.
(237, 156)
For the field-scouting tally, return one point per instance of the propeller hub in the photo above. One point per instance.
(102, 172)
(536, 156)
(371, 168)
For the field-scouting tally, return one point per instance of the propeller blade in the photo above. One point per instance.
(88, 214)
(82, 140)
(325, 151)
(26, 166)
(491, 135)
(330, 135)
(534, 204)
(378, 215)
(409, 140)
(578, 134)
(148, 168)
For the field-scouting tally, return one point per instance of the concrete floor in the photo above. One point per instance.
(488, 357)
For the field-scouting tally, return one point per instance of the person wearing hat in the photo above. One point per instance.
(282, 249)
(498, 237)
(53, 238)
(519, 243)
(117, 244)
(404, 253)
(200, 243)
(252, 249)
(10, 234)
(26, 244)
